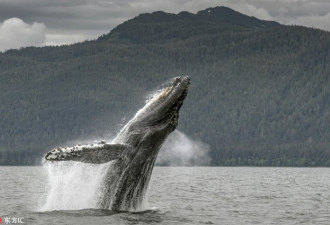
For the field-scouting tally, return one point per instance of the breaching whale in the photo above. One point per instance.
(134, 150)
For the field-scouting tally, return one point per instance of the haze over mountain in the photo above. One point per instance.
(260, 91)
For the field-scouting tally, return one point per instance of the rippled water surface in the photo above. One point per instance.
(203, 195)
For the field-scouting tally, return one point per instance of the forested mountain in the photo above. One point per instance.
(260, 91)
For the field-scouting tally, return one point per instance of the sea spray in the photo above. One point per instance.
(73, 185)
(181, 150)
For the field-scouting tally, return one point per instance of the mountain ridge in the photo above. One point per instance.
(151, 26)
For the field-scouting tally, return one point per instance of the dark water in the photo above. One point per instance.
(204, 195)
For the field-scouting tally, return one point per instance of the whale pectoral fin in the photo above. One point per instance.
(97, 155)
(105, 154)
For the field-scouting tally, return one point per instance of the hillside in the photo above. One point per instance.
(260, 91)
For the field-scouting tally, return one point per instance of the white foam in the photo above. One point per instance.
(73, 185)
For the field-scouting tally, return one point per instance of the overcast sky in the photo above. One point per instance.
(57, 22)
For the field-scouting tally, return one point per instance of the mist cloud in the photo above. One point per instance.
(180, 150)
(15, 33)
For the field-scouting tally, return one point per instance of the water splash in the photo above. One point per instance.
(72, 185)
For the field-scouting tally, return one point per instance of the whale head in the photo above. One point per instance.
(160, 115)
(164, 108)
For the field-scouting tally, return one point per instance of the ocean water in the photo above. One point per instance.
(179, 195)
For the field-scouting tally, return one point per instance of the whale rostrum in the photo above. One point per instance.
(134, 150)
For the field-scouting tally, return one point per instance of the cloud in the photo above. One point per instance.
(180, 150)
(290, 12)
(55, 38)
(321, 22)
(15, 33)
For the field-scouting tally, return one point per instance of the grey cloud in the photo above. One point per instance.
(78, 15)
(321, 22)
(288, 10)
(67, 21)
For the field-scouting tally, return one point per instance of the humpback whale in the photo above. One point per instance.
(134, 150)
